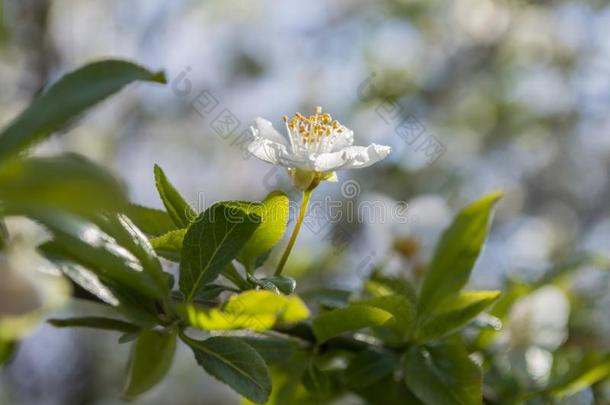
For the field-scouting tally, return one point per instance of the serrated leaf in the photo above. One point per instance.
(169, 245)
(254, 310)
(442, 375)
(273, 211)
(181, 213)
(210, 243)
(349, 319)
(151, 221)
(95, 323)
(67, 98)
(151, 359)
(456, 253)
(455, 312)
(234, 363)
(369, 367)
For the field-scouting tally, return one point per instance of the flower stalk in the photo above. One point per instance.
(295, 231)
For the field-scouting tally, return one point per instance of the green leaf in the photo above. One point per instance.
(120, 227)
(273, 349)
(327, 297)
(284, 284)
(254, 310)
(7, 350)
(169, 245)
(181, 213)
(96, 323)
(85, 243)
(273, 212)
(369, 367)
(151, 359)
(591, 369)
(456, 253)
(455, 312)
(151, 221)
(234, 363)
(67, 98)
(68, 182)
(401, 309)
(211, 243)
(348, 319)
(442, 375)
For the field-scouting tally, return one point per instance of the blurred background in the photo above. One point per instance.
(472, 95)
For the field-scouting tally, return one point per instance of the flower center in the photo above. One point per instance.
(313, 134)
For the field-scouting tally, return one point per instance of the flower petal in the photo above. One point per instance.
(264, 129)
(352, 157)
(343, 140)
(274, 153)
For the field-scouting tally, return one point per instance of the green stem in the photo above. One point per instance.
(295, 231)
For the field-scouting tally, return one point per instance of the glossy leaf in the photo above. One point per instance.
(86, 243)
(235, 363)
(169, 245)
(273, 212)
(456, 253)
(286, 285)
(181, 213)
(254, 310)
(348, 319)
(210, 243)
(67, 98)
(456, 312)
(151, 221)
(151, 359)
(442, 375)
(95, 323)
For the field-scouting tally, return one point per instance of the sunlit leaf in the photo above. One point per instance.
(181, 213)
(234, 363)
(151, 359)
(67, 98)
(456, 253)
(151, 221)
(348, 319)
(400, 308)
(169, 245)
(85, 243)
(210, 243)
(273, 212)
(254, 310)
(454, 312)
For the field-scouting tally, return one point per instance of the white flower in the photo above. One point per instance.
(316, 146)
